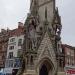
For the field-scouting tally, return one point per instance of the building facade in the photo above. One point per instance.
(14, 50)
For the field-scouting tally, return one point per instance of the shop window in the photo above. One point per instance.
(20, 52)
(19, 42)
(10, 63)
(10, 55)
(17, 63)
(11, 47)
(12, 40)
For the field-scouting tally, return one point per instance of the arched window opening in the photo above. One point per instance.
(46, 13)
(31, 60)
(43, 70)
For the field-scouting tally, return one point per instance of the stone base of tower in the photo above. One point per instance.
(30, 72)
(61, 73)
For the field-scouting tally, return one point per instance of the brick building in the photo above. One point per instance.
(4, 35)
(69, 59)
(14, 49)
(69, 52)
(18, 31)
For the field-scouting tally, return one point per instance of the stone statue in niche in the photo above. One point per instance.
(32, 33)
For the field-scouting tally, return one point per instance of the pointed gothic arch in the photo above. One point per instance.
(43, 70)
(46, 66)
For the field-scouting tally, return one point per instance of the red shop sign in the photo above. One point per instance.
(71, 71)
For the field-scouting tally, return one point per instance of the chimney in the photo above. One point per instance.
(3, 31)
(20, 25)
(8, 29)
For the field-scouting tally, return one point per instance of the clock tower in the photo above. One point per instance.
(42, 44)
(46, 5)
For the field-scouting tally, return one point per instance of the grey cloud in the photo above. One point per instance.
(66, 10)
(12, 11)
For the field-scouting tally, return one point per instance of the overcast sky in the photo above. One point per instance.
(13, 11)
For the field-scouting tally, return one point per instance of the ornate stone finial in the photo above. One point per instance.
(34, 7)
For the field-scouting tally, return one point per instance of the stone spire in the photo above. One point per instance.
(34, 7)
